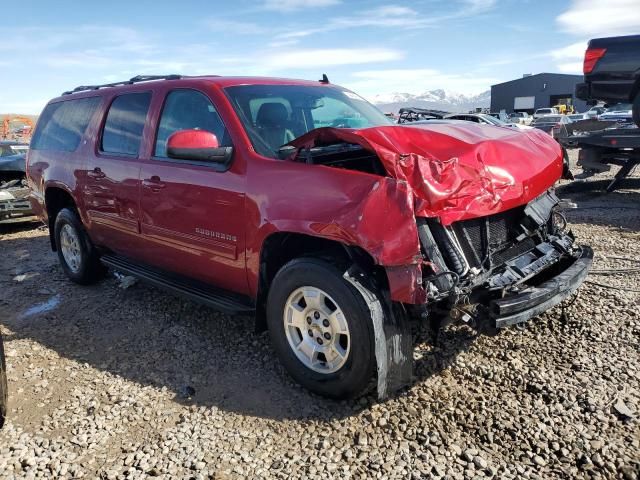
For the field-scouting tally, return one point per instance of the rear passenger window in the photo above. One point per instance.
(125, 122)
(188, 109)
(62, 124)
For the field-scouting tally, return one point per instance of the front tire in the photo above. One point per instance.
(77, 256)
(321, 329)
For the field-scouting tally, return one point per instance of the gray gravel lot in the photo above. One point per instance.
(129, 383)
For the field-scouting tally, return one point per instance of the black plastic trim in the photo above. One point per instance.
(219, 299)
(523, 306)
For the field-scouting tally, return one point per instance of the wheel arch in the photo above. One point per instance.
(281, 247)
(56, 197)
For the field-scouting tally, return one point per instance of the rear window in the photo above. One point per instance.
(125, 122)
(62, 125)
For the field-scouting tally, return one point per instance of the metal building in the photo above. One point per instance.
(531, 92)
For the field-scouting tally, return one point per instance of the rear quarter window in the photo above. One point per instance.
(123, 128)
(63, 124)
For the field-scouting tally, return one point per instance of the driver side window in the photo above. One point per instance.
(186, 109)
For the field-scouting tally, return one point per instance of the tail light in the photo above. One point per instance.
(591, 57)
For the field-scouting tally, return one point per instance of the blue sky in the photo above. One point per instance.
(372, 47)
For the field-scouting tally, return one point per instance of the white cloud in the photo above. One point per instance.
(480, 5)
(234, 27)
(291, 5)
(416, 81)
(393, 16)
(597, 18)
(329, 57)
(569, 59)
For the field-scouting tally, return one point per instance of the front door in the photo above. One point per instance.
(191, 215)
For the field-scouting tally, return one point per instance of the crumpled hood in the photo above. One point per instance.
(457, 171)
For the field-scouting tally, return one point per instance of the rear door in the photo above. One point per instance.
(192, 214)
(112, 183)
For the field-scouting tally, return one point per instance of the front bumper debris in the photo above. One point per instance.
(528, 303)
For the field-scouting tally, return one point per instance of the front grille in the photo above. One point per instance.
(496, 233)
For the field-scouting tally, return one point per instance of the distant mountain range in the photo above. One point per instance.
(435, 99)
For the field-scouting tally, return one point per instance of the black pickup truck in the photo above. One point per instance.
(612, 72)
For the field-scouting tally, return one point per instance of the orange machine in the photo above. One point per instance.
(25, 131)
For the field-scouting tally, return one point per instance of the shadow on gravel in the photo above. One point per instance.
(19, 225)
(199, 356)
(616, 209)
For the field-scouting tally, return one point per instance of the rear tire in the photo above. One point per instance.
(636, 110)
(321, 329)
(76, 253)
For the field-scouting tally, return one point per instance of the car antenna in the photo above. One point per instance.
(324, 79)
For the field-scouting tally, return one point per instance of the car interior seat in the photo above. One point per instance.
(271, 122)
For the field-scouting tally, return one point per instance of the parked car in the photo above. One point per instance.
(414, 114)
(612, 72)
(14, 201)
(552, 124)
(222, 189)
(576, 117)
(620, 112)
(595, 111)
(522, 118)
(545, 111)
(485, 119)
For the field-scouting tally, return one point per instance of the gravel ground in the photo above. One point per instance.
(127, 383)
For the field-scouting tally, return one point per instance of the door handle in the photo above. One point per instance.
(153, 183)
(96, 173)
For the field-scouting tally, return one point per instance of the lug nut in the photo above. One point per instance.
(320, 342)
(327, 335)
(316, 315)
(309, 320)
(310, 333)
(325, 322)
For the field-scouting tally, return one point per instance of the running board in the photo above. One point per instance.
(216, 298)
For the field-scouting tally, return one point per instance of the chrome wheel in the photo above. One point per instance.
(316, 330)
(70, 247)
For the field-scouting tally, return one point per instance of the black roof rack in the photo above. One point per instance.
(131, 81)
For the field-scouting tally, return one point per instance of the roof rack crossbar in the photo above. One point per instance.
(131, 81)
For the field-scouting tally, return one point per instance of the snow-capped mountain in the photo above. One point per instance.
(436, 99)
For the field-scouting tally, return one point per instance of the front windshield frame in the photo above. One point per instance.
(241, 96)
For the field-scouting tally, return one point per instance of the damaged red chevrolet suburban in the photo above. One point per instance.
(301, 203)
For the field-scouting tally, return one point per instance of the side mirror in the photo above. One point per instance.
(198, 145)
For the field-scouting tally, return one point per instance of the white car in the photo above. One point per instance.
(576, 117)
(485, 119)
(521, 118)
(620, 112)
(541, 112)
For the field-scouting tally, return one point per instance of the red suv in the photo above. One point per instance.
(301, 203)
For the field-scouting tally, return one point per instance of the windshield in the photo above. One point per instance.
(544, 110)
(10, 150)
(620, 107)
(274, 115)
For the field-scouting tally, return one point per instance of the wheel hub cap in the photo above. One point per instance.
(70, 247)
(316, 330)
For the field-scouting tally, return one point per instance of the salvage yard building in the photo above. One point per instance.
(531, 92)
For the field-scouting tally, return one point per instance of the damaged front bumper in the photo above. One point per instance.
(14, 202)
(527, 303)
